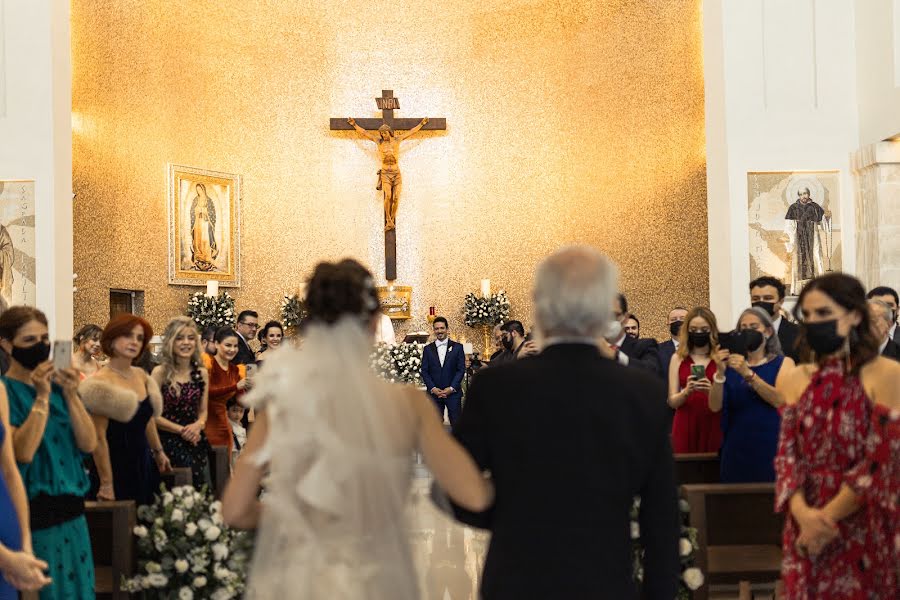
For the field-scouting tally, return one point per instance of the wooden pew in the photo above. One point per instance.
(697, 468)
(178, 477)
(219, 469)
(738, 533)
(111, 526)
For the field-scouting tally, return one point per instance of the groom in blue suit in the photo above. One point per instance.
(443, 368)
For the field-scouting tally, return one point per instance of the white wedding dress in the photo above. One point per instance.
(339, 450)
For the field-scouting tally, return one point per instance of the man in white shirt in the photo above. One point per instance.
(889, 297)
(443, 369)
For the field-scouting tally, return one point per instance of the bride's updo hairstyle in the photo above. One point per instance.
(345, 288)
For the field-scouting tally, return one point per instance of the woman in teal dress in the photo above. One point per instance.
(51, 430)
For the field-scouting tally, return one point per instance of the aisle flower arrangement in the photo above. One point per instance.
(186, 552)
(399, 363)
(488, 311)
(691, 577)
(211, 311)
(293, 311)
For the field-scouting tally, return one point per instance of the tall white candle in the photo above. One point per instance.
(485, 288)
(301, 290)
(212, 287)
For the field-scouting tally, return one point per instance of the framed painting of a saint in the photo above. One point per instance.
(17, 243)
(794, 220)
(204, 226)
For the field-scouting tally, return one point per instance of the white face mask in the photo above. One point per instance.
(613, 331)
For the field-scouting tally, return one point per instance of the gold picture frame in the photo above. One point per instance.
(395, 301)
(204, 226)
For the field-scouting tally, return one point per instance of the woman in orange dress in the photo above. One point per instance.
(226, 381)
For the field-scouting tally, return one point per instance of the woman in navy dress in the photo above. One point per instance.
(744, 391)
(123, 401)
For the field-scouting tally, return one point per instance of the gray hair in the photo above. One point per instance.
(574, 290)
(773, 344)
(887, 313)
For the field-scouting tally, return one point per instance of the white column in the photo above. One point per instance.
(876, 172)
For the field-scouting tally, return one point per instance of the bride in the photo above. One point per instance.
(337, 443)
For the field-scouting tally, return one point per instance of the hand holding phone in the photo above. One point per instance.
(698, 372)
(62, 354)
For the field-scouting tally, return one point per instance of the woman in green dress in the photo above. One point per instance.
(50, 429)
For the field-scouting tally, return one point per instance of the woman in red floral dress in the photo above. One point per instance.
(832, 472)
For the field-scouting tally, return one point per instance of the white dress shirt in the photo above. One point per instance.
(621, 356)
(776, 323)
(441, 349)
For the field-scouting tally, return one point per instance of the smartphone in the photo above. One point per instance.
(251, 369)
(62, 354)
(698, 372)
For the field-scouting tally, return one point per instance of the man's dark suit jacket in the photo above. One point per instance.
(787, 335)
(642, 353)
(892, 350)
(245, 355)
(570, 438)
(450, 375)
(666, 352)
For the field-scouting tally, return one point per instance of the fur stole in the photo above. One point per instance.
(108, 400)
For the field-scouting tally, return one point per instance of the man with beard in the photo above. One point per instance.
(512, 337)
(767, 293)
(668, 348)
(629, 351)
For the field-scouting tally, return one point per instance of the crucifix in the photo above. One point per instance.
(389, 180)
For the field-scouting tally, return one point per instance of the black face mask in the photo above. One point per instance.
(675, 328)
(507, 342)
(823, 337)
(753, 339)
(769, 307)
(698, 339)
(31, 356)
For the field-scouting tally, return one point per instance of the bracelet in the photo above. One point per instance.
(720, 379)
(155, 451)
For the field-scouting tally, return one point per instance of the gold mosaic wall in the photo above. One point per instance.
(568, 121)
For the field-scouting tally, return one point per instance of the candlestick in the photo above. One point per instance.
(212, 287)
(485, 288)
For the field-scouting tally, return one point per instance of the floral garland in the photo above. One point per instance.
(186, 552)
(691, 577)
(293, 310)
(480, 311)
(211, 311)
(398, 363)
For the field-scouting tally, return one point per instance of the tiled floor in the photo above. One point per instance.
(448, 555)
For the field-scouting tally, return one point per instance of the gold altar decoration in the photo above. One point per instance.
(396, 301)
(567, 122)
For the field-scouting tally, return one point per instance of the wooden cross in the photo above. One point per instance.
(387, 103)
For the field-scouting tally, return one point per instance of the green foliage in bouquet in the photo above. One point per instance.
(211, 311)
(399, 363)
(293, 310)
(186, 552)
(479, 311)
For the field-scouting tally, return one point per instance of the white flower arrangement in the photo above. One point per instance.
(175, 562)
(401, 363)
(691, 577)
(293, 310)
(479, 311)
(211, 311)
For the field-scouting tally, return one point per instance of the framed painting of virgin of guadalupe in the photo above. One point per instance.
(204, 226)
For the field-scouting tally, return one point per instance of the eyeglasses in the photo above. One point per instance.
(250, 325)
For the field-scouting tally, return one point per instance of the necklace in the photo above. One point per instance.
(118, 372)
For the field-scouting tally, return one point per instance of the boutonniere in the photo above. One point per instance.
(449, 348)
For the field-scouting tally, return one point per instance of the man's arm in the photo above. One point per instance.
(361, 131)
(459, 367)
(472, 432)
(645, 355)
(412, 131)
(426, 367)
(659, 523)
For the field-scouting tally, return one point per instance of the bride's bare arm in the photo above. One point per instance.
(241, 507)
(453, 467)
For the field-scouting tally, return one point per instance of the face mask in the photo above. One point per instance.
(753, 339)
(769, 307)
(675, 328)
(699, 339)
(507, 342)
(823, 337)
(613, 331)
(31, 356)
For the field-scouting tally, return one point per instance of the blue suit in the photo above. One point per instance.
(449, 375)
(666, 352)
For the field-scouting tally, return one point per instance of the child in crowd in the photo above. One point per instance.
(235, 415)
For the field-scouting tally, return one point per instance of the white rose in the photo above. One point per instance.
(185, 593)
(220, 551)
(168, 498)
(222, 594)
(215, 507)
(635, 530)
(693, 578)
(222, 573)
(218, 520)
(189, 502)
(140, 531)
(153, 567)
(158, 521)
(685, 547)
(157, 580)
(204, 524)
(199, 581)
(182, 565)
(177, 515)
(212, 533)
(190, 529)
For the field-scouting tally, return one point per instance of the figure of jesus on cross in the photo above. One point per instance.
(390, 181)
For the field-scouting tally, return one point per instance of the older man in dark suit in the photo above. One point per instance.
(881, 317)
(570, 437)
